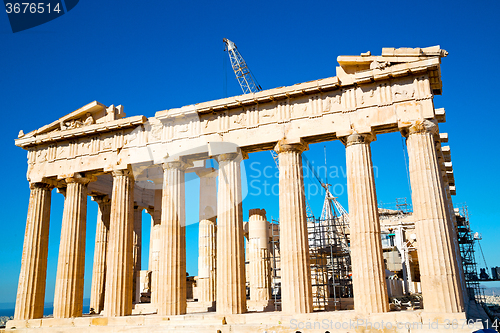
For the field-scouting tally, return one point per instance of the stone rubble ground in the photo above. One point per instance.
(4, 320)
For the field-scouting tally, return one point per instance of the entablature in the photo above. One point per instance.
(391, 99)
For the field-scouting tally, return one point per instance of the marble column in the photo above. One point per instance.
(438, 268)
(31, 288)
(207, 258)
(154, 246)
(68, 296)
(137, 253)
(231, 291)
(119, 265)
(258, 255)
(100, 250)
(172, 270)
(296, 289)
(452, 225)
(368, 269)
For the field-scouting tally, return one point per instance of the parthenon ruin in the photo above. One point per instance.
(131, 164)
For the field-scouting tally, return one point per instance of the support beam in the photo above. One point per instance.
(258, 245)
(207, 258)
(100, 251)
(154, 246)
(31, 289)
(137, 253)
(172, 272)
(68, 296)
(438, 269)
(119, 270)
(296, 289)
(368, 269)
(231, 293)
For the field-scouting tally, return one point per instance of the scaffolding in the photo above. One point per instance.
(330, 261)
(402, 206)
(329, 252)
(329, 257)
(275, 263)
(466, 242)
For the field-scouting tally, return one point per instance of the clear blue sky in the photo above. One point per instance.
(155, 55)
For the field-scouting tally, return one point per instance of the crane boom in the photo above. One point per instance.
(245, 78)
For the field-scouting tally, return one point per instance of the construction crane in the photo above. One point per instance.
(245, 78)
(328, 234)
(328, 209)
(249, 84)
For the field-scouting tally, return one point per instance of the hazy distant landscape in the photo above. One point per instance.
(495, 291)
(7, 310)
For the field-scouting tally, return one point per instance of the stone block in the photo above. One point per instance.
(82, 321)
(101, 321)
(11, 324)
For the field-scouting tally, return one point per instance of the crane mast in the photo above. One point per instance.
(245, 78)
(326, 235)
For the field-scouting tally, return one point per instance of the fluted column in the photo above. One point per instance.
(100, 250)
(368, 269)
(231, 295)
(452, 225)
(31, 288)
(137, 253)
(154, 246)
(68, 296)
(119, 265)
(258, 248)
(438, 269)
(172, 270)
(296, 289)
(207, 259)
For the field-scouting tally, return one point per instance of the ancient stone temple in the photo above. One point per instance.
(131, 164)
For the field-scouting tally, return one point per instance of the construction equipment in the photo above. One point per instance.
(245, 78)
(329, 250)
(466, 243)
(328, 242)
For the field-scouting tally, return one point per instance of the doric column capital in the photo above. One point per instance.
(79, 178)
(207, 173)
(40, 185)
(122, 172)
(150, 210)
(139, 207)
(177, 164)
(356, 138)
(285, 145)
(422, 126)
(229, 157)
(101, 199)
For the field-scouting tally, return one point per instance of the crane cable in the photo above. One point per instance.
(484, 259)
(224, 79)
(406, 164)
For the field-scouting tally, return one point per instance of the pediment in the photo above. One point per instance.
(92, 113)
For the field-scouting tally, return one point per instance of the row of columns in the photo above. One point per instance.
(113, 268)
(102, 239)
(207, 244)
(439, 270)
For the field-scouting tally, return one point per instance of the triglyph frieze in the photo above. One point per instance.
(381, 98)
